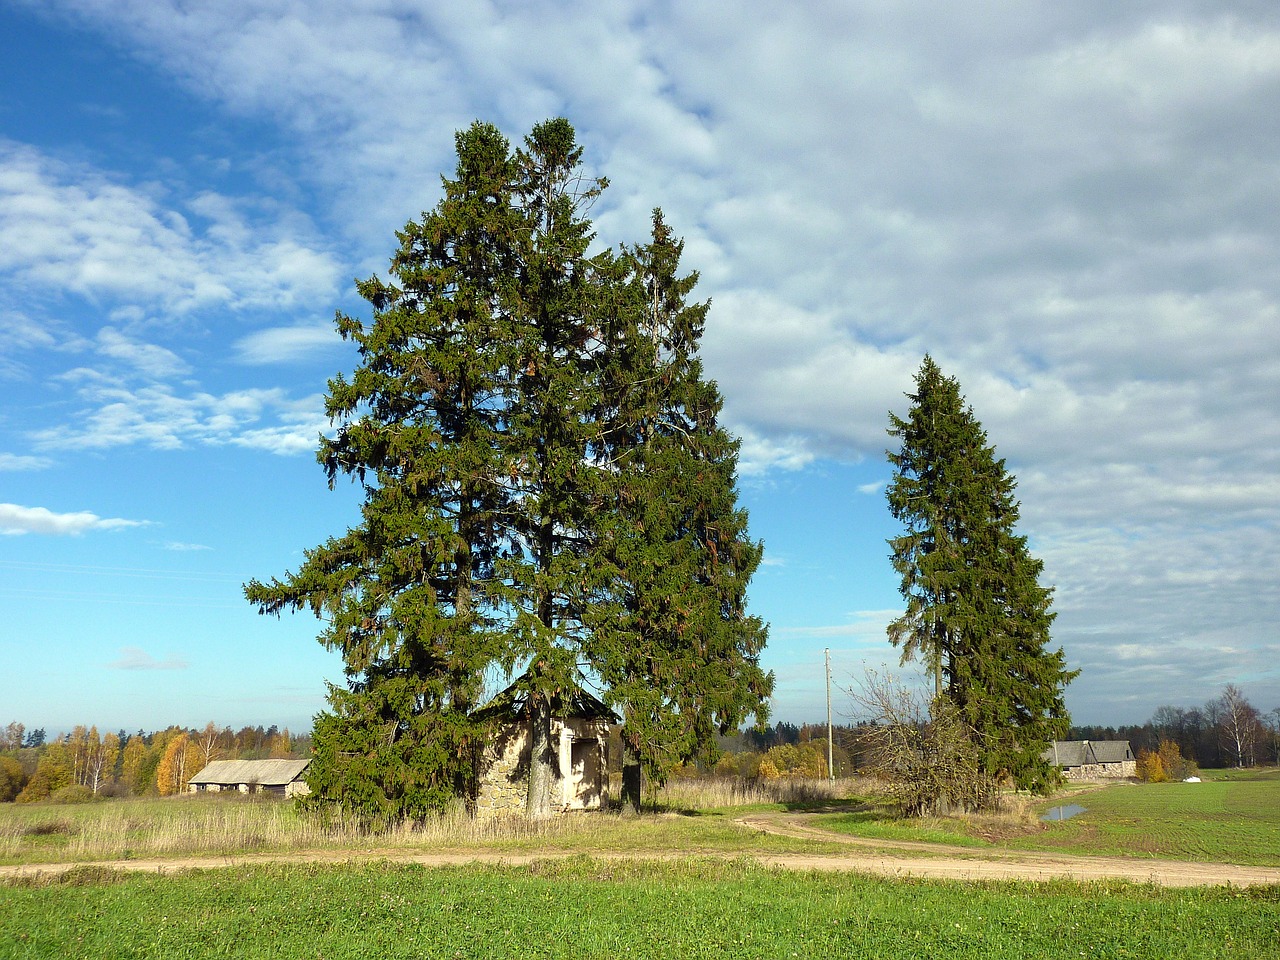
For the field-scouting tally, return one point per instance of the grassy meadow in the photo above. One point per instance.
(695, 905)
(1231, 817)
(586, 908)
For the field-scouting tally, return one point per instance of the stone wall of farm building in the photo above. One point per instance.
(294, 788)
(1102, 771)
(502, 789)
(581, 759)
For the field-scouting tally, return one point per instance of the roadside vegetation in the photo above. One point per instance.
(690, 816)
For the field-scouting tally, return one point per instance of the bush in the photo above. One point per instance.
(1164, 764)
(804, 761)
(923, 751)
(12, 779)
(72, 794)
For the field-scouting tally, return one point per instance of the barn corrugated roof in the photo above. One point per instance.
(1111, 751)
(267, 773)
(1076, 753)
(1067, 753)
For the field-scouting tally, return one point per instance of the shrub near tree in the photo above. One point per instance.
(803, 761)
(1164, 764)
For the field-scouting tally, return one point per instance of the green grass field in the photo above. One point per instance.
(585, 908)
(1232, 817)
(1229, 819)
(713, 907)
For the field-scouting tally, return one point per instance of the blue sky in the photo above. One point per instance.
(1072, 207)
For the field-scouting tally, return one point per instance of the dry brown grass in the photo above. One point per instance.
(211, 824)
(720, 792)
(1013, 816)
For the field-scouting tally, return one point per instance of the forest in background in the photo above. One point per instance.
(85, 763)
(1226, 731)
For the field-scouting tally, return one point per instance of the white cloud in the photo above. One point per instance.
(135, 658)
(158, 417)
(75, 229)
(285, 344)
(149, 359)
(17, 520)
(16, 462)
(179, 547)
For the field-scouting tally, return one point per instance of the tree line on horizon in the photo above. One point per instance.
(1226, 731)
(85, 764)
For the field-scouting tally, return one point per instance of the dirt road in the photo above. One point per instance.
(855, 854)
(910, 859)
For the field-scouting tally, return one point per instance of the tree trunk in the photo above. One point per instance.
(541, 761)
(630, 777)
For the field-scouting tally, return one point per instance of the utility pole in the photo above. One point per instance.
(831, 773)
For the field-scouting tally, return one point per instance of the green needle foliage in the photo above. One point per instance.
(976, 613)
(677, 653)
(509, 387)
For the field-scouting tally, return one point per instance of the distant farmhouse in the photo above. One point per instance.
(579, 735)
(1092, 759)
(283, 778)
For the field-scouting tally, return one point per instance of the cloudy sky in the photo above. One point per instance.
(1075, 208)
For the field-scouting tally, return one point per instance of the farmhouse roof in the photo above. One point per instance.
(267, 773)
(512, 703)
(1077, 753)
(1111, 751)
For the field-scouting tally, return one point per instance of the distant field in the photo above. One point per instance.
(585, 908)
(1232, 817)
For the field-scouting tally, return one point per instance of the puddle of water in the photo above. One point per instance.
(1065, 812)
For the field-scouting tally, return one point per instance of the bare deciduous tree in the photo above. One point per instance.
(1239, 722)
(921, 749)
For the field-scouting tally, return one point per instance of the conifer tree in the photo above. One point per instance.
(674, 647)
(486, 426)
(976, 613)
(407, 595)
(549, 430)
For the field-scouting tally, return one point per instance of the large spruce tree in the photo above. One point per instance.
(485, 421)
(675, 649)
(408, 595)
(976, 613)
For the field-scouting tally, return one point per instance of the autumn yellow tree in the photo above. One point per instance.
(12, 779)
(1165, 763)
(1150, 767)
(280, 745)
(53, 772)
(181, 761)
(100, 759)
(131, 767)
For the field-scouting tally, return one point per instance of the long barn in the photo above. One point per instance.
(281, 777)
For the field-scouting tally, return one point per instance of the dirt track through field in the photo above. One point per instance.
(889, 858)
